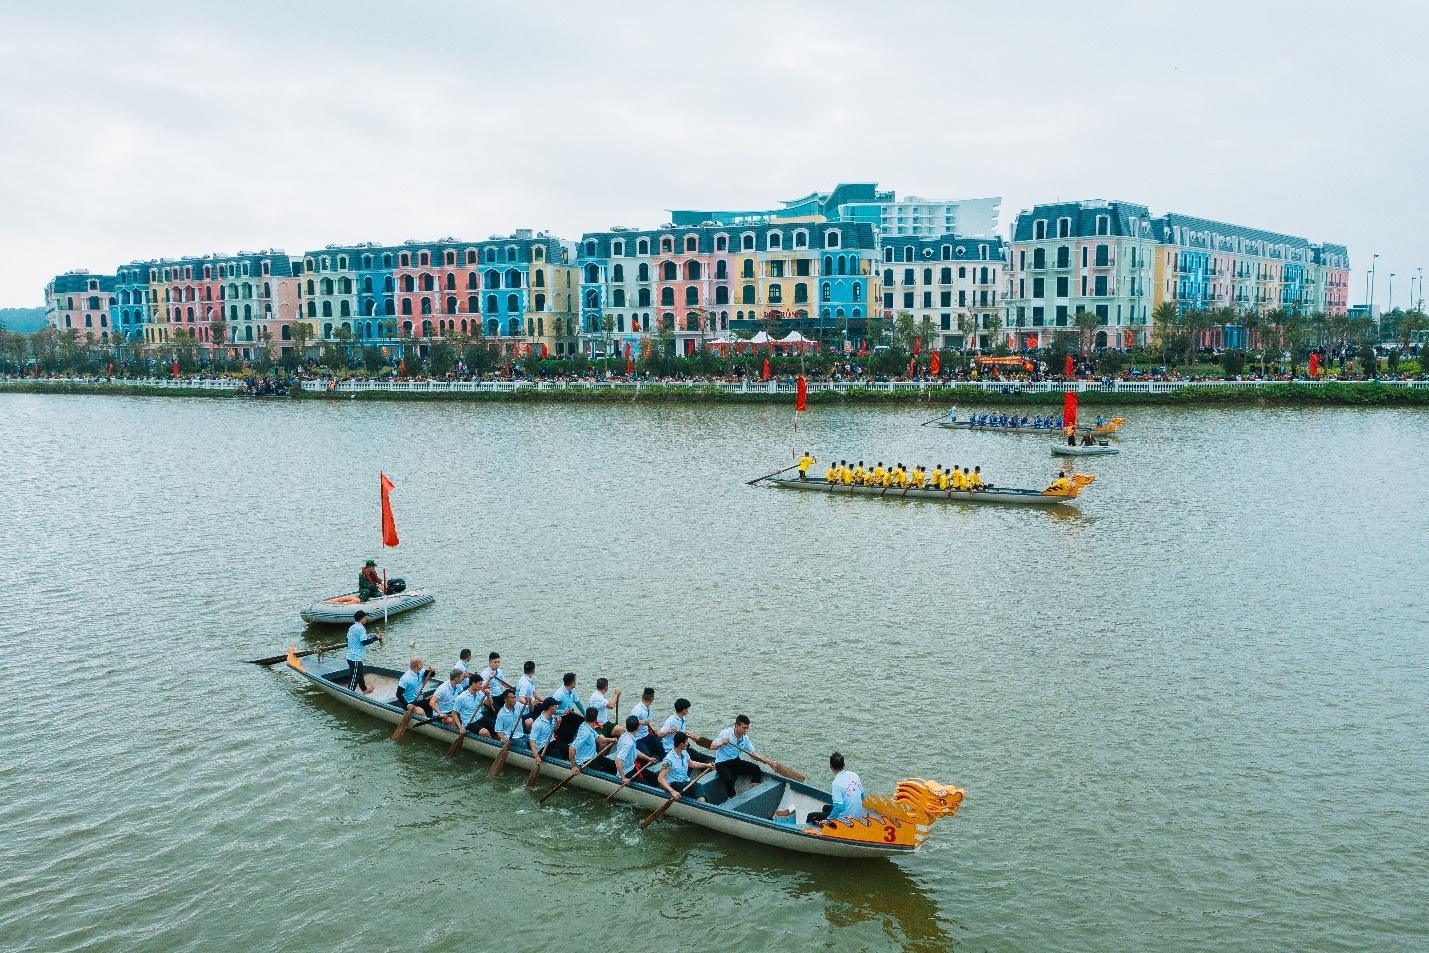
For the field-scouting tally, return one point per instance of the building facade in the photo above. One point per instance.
(80, 302)
(866, 203)
(953, 284)
(1095, 256)
(696, 283)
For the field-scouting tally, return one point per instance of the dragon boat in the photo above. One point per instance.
(339, 610)
(997, 494)
(765, 812)
(1105, 430)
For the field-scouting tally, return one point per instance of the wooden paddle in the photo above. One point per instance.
(789, 773)
(566, 780)
(498, 764)
(669, 802)
(639, 755)
(275, 659)
(934, 420)
(758, 479)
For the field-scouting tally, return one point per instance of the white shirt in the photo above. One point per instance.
(600, 703)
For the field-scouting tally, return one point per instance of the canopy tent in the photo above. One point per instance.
(794, 341)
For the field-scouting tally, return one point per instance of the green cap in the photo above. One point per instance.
(371, 562)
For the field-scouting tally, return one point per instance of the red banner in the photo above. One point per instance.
(764, 374)
(911, 366)
(917, 346)
(801, 399)
(1314, 365)
(629, 363)
(1069, 409)
(1071, 370)
(389, 525)
(935, 365)
(176, 367)
(863, 348)
(544, 350)
(402, 368)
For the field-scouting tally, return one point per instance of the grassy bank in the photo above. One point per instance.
(1350, 394)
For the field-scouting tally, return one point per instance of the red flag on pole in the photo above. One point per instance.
(629, 362)
(764, 374)
(389, 525)
(1071, 368)
(111, 367)
(1314, 365)
(863, 348)
(1069, 410)
(544, 350)
(917, 346)
(176, 367)
(912, 366)
(935, 365)
(801, 399)
(402, 367)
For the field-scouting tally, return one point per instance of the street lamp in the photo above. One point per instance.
(1390, 305)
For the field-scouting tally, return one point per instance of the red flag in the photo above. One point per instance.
(402, 368)
(111, 368)
(389, 525)
(690, 348)
(627, 349)
(1069, 409)
(629, 362)
(544, 350)
(176, 367)
(911, 366)
(863, 348)
(935, 365)
(1314, 365)
(1071, 369)
(917, 346)
(801, 399)
(764, 374)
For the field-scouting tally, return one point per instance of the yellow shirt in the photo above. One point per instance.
(919, 481)
(880, 476)
(975, 480)
(858, 474)
(868, 478)
(942, 481)
(846, 476)
(1060, 485)
(960, 482)
(833, 475)
(900, 477)
(805, 462)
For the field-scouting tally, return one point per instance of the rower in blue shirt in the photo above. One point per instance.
(467, 707)
(674, 725)
(627, 756)
(645, 738)
(566, 697)
(492, 674)
(409, 688)
(357, 642)
(542, 728)
(728, 764)
(588, 744)
(847, 791)
(509, 720)
(674, 774)
(527, 698)
(444, 699)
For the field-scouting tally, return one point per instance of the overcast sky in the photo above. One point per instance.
(131, 130)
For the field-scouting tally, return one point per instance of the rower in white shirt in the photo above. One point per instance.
(527, 698)
(728, 764)
(467, 707)
(492, 674)
(676, 724)
(509, 721)
(444, 699)
(566, 697)
(847, 791)
(645, 737)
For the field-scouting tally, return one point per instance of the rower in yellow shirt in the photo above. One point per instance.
(975, 480)
(868, 477)
(934, 476)
(858, 473)
(960, 480)
(900, 477)
(833, 475)
(846, 476)
(805, 462)
(880, 475)
(1060, 486)
(917, 478)
(942, 479)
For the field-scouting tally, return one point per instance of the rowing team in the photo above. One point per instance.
(1011, 421)
(485, 704)
(898, 477)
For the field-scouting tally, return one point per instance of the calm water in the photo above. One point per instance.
(1190, 716)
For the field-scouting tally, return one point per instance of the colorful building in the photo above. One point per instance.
(518, 291)
(1093, 256)
(696, 283)
(80, 302)
(951, 283)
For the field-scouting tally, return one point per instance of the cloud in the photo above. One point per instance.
(140, 130)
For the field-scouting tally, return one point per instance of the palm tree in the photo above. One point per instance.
(1165, 327)
(1087, 324)
(302, 333)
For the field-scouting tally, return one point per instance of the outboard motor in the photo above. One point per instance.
(396, 585)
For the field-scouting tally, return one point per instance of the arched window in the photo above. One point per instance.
(858, 291)
(513, 303)
(592, 274)
(491, 306)
(471, 281)
(721, 269)
(642, 247)
(426, 305)
(748, 268)
(233, 293)
(833, 239)
(667, 296)
(642, 298)
(389, 306)
(366, 262)
(829, 263)
(746, 241)
(493, 327)
(471, 304)
(427, 283)
(668, 272)
(451, 281)
(692, 244)
(493, 279)
(451, 304)
(642, 273)
(721, 295)
(692, 296)
(825, 292)
(470, 259)
(617, 272)
(513, 278)
(513, 327)
(406, 305)
(692, 271)
(540, 277)
(540, 300)
(387, 260)
(801, 293)
(843, 265)
(408, 284)
(344, 308)
(367, 284)
(746, 295)
(774, 240)
(776, 293)
(617, 298)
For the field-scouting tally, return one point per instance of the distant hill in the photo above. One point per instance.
(22, 319)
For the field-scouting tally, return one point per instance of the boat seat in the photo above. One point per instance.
(760, 801)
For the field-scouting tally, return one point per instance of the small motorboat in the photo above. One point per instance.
(766, 812)
(1082, 450)
(339, 610)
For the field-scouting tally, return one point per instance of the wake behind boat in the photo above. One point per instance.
(762, 812)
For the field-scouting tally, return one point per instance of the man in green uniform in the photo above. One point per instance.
(369, 582)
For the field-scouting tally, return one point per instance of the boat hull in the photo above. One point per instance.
(329, 613)
(1008, 496)
(1067, 451)
(1028, 431)
(638, 794)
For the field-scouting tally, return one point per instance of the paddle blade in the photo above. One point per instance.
(402, 726)
(498, 764)
(455, 746)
